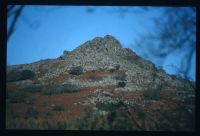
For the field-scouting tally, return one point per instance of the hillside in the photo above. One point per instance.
(98, 86)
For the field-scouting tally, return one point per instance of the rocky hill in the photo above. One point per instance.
(100, 82)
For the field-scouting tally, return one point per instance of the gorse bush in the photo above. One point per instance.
(90, 121)
(31, 113)
(121, 84)
(118, 120)
(119, 76)
(27, 74)
(16, 75)
(13, 75)
(32, 88)
(153, 93)
(56, 107)
(17, 97)
(8, 93)
(59, 89)
(133, 59)
(110, 106)
(33, 123)
(115, 120)
(76, 70)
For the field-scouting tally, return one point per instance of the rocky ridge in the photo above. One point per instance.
(104, 54)
(105, 73)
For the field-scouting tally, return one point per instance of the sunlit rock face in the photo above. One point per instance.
(101, 72)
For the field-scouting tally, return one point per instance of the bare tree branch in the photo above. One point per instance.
(175, 31)
(16, 16)
(10, 8)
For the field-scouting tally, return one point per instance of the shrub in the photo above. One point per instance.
(31, 113)
(61, 125)
(27, 74)
(123, 123)
(29, 100)
(120, 76)
(153, 93)
(32, 88)
(110, 106)
(33, 124)
(91, 121)
(117, 66)
(93, 78)
(121, 120)
(113, 67)
(17, 97)
(8, 94)
(57, 89)
(16, 75)
(76, 70)
(13, 75)
(115, 120)
(121, 84)
(56, 107)
(133, 59)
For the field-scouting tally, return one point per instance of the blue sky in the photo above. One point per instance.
(45, 32)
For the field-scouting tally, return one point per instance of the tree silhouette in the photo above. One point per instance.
(15, 12)
(175, 33)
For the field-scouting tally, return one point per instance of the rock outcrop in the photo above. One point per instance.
(106, 54)
(108, 74)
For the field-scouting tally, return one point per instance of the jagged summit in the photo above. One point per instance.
(106, 44)
(103, 52)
